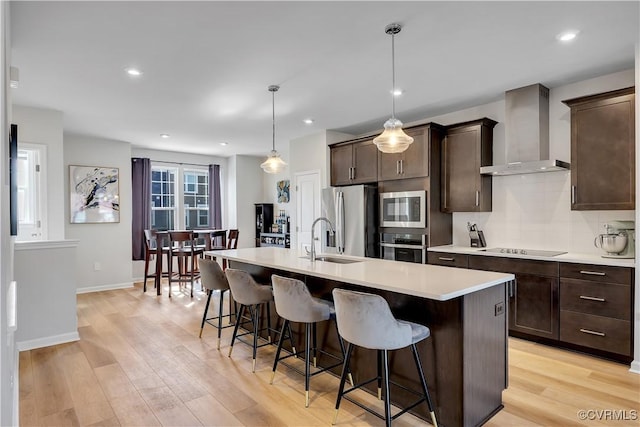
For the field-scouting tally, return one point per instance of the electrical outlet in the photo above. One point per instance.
(499, 309)
(97, 266)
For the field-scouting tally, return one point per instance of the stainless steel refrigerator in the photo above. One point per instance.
(353, 212)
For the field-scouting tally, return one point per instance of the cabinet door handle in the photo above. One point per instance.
(442, 258)
(397, 167)
(512, 284)
(477, 198)
(592, 298)
(590, 332)
(573, 194)
(592, 273)
(401, 167)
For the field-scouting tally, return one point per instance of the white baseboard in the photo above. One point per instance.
(88, 289)
(47, 341)
(635, 367)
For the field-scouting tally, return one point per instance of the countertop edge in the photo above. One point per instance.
(572, 257)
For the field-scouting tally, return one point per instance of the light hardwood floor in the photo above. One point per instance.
(140, 363)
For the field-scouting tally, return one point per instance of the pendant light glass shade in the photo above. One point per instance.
(393, 139)
(273, 164)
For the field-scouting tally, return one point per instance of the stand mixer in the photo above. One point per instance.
(619, 240)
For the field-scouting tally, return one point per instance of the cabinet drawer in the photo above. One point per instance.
(602, 333)
(597, 273)
(514, 265)
(448, 259)
(600, 299)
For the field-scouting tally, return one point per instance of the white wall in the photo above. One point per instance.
(109, 245)
(8, 354)
(43, 126)
(245, 189)
(310, 153)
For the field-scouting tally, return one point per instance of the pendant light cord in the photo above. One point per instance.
(393, 77)
(273, 117)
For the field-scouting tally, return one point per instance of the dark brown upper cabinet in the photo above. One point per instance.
(412, 163)
(354, 163)
(603, 151)
(466, 147)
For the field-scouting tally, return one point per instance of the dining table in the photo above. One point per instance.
(209, 235)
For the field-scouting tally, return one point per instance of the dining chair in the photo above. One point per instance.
(184, 248)
(153, 249)
(232, 243)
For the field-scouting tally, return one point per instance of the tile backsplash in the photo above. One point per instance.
(534, 211)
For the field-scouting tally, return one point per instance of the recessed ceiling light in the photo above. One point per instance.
(567, 35)
(224, 143)
(396, 92)
(164, 135)
(134, 72)
(308, 121)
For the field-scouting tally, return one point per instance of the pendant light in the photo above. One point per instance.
(274, 163)
(393, 139)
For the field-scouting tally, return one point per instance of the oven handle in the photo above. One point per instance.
(397, 245)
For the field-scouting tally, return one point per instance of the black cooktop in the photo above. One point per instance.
(532, 252)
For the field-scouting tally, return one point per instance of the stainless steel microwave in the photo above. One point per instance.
(403, 209)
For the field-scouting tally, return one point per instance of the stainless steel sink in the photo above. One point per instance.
(336, 259)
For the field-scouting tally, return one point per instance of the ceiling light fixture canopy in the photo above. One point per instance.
(274, 163)
(393, 139)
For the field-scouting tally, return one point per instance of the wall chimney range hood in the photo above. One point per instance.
(526, 134)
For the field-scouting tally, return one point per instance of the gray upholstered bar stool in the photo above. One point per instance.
(294, 303)
(366, 320)
(213, 279)
(251, 296)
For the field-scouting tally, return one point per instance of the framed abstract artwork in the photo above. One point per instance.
(283, 191)
(94, 194)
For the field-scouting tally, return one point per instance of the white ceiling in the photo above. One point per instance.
(207, 65)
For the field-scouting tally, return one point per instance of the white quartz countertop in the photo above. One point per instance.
(421, 280)
(568, 257)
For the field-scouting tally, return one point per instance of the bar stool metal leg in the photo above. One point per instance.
(423, 382)
(379, 355)
(315, 346)
(280, 341)
(220, 311)
(235, 329)
(343, 379)
(387, 402)
(206, 309)
(307, 362)
(255, 316)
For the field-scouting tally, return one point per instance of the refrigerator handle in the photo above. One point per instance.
(340, 222)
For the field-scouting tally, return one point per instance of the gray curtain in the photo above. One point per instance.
(141, 204)
(215, 208)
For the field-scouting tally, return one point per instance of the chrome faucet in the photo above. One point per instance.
(312, 253)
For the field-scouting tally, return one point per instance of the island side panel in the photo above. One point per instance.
(485, 353)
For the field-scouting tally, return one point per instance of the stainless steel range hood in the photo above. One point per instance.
(526, 134)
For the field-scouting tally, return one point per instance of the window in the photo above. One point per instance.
(196, 199)
(179, 198)
(31, 192)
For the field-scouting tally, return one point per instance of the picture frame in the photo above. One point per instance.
(94, 194)
(283, 191)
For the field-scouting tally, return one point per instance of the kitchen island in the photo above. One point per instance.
(465, 359)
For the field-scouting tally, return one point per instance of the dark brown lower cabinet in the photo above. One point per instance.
(584, 307)
(533, 306)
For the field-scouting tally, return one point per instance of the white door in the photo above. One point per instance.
(307, 191)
